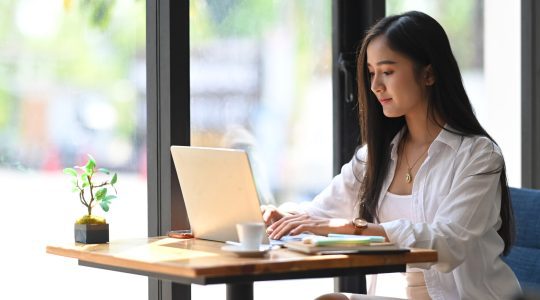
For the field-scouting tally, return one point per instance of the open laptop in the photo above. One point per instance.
(219, 190)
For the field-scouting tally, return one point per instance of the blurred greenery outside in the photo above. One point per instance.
(90, 49)
(212, 20)
(93, 48)
(462, 21)
(281, 56)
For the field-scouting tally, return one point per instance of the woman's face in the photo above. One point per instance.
(399, 90)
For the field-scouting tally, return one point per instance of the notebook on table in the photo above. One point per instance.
(344, 244)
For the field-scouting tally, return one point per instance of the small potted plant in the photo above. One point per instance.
(93, 186)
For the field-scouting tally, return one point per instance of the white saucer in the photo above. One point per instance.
(238, 250)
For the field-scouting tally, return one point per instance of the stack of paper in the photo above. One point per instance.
(342, 243)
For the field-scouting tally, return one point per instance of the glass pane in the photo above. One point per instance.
(261, 80)
(72, 83)
(490, 68)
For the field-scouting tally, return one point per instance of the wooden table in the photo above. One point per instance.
(203, 262)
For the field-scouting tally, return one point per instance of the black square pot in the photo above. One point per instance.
(92, 233)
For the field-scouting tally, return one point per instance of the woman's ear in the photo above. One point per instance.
(429, 77)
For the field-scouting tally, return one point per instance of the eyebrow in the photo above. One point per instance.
(385, 62)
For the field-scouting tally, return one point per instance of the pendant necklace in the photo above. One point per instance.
(408, 176)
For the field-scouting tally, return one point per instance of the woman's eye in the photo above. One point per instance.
(372, 74)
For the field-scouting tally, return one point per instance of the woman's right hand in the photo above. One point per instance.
(271, 214)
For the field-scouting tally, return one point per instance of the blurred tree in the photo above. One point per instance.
(462, 20)
(231, 18)
(98, 11)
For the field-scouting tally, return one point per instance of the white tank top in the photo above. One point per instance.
(395, 207)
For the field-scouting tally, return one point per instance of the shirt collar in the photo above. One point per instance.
(395, 142)
(447, 136)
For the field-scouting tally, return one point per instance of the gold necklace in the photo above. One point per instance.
(408, 177)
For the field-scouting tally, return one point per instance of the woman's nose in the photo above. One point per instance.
(376, 84)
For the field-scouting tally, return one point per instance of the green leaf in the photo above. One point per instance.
(75, 189)
(103, 170)
(70, 171)
(101, 193)
(108, 198)
(90, 165)
(84, 178)
(104, 205)
(114, 179)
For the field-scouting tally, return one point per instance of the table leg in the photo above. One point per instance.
(350, 284)
(240, 291)
(180, 291)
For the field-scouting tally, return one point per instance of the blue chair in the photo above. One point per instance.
(524, 257)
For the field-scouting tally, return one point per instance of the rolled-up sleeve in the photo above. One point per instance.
(469, 210)
(340, 198)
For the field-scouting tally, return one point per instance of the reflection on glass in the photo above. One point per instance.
(72, 83)
(261, 81)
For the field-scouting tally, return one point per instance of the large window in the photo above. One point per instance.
(72, 83)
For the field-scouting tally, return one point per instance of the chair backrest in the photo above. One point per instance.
(524, 258)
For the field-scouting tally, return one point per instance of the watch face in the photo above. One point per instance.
(361, 223)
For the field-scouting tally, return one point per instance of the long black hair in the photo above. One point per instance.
(422, 39)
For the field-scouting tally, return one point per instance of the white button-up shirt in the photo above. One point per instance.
(455, 211)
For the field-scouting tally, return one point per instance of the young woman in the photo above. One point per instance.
(428, 175)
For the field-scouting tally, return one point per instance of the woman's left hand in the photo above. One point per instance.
(296, 224)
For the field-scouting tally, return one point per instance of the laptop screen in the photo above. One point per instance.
(218, 188)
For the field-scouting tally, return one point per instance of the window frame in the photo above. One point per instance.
(350, 20)
(530, 94)
(168, 121)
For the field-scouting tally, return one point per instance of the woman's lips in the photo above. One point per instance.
(385, 100)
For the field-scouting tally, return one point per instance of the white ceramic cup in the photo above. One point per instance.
(250, 235)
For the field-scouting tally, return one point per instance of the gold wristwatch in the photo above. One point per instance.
(359, 225)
